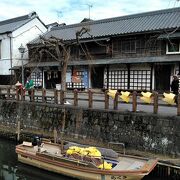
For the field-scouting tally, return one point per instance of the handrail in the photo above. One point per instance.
(91, 97)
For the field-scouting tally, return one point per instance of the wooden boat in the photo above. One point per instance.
(51, 157)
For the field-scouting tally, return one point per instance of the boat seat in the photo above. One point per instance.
(121, 165)
(128, 166)
(136, 165)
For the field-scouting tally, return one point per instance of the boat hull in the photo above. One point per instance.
(75, 172)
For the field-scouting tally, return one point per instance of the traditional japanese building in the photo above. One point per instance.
(14, 33)
(136, 52)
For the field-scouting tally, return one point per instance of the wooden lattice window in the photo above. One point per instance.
(140, 79)
(37, 77)
(118, 79)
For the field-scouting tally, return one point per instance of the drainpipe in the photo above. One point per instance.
(10, 48)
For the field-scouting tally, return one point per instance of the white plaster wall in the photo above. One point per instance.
(5, 62)
(23, 35)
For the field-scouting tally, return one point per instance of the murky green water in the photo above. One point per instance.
(11, 169)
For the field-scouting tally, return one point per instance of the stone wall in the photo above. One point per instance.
(139, 131)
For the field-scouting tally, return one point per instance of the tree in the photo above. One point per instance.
(62, 55)
(62, 51)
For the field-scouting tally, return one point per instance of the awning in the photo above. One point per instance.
(168, 58)
(169, 36)
(160, 59)
(42, 64)
(93, 40)
(15, 68)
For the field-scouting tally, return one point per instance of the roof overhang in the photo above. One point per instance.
(15, 68)
(175, 35)
(123, 61)
(42, 64)
(93, 40)
(161, 59)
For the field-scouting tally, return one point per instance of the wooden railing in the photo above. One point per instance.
(88, 99)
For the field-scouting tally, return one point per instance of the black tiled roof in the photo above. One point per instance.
(144, 22)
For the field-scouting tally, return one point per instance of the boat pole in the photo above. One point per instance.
(55, 135)
(18, 130)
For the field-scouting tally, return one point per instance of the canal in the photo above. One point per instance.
(11, 169)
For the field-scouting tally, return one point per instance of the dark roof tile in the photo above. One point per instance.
(143, 22)
(14, 23)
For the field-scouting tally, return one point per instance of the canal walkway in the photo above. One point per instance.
(97, 99)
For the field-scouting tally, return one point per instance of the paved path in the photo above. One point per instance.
(163, 110)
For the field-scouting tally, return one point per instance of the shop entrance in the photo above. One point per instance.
(97, 77)
(162, 78)
(51, 78)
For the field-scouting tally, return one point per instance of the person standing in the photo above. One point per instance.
(29, 86)
(19, 87)
(175, 87)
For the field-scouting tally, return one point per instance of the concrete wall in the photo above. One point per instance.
(139, 131)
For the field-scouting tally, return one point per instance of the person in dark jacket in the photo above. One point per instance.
(175, 86)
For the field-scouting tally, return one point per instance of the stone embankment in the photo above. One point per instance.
(140, 132)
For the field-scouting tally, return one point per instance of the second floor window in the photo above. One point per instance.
(173, 47)
(129, 46)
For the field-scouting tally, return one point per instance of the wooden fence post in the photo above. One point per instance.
(116, 101)
(8, 93)
(17, 94)
(43, 95)
(155, 102)
(22, 94)
(55, 96)
(106, 99)
(32, 95)
(75, 97)
(62, 97)
(134, 101)
(90, 93)
(178, 105)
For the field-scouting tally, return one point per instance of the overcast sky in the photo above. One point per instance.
(73, 11)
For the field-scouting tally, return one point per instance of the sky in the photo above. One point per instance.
(74, 11)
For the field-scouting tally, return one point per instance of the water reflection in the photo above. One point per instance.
(11, 169)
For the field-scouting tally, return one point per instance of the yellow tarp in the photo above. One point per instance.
(146, 97)
(112, 93)
(91, 152)
(125, 96)
(169, 98)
